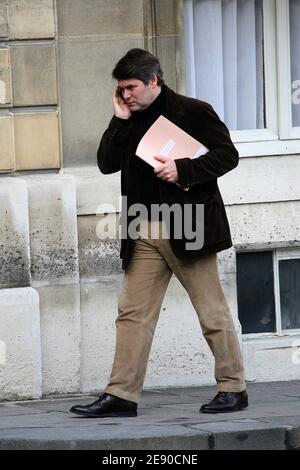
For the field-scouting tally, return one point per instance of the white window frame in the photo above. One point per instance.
(279, 137)
(270, 133)
(277, 87)
(278, 254)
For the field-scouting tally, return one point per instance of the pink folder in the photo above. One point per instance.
(166, 139)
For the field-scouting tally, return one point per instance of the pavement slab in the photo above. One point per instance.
(167, 419)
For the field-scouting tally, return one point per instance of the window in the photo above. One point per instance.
(243, 58)
(228, 60)
(268, 286)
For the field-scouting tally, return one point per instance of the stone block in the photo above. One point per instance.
(3, 19)
(277, 363)
(86, 94)
(7, 155)
(14, 234)
(29, 19)
(168, 51)
(60, 338)
(94, 190)
(278, 180)
(37, 140)
(97, 257)
(53, 229)
(271, 359)
(34, 75)
(20, 361)
(94, 17)
(165, 19)
(265, 225)
(98, 314)
(5, 79)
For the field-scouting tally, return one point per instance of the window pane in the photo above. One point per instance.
(289, 278)
(224, 59)
(255, 290)
(295, 60)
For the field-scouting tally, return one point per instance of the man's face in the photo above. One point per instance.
(136, 94)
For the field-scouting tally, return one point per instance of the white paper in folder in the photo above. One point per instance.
(166, 139)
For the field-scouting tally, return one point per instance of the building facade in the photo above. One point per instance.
(59, 279)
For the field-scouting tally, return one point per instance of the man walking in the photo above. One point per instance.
(149, 262)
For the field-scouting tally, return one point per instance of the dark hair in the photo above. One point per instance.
(138, 64)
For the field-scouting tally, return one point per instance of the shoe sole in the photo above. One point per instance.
(241, 408)
(112, 414)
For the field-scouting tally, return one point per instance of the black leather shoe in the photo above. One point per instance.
(106, 406)
(226, 402)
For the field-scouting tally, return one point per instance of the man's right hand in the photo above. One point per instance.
(122, 110)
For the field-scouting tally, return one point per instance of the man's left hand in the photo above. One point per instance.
(167, 171)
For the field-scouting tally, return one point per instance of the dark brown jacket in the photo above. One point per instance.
(117, 152)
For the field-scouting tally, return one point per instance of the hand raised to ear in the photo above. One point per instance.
(122, 110)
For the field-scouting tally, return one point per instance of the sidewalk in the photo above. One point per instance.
(167, 419)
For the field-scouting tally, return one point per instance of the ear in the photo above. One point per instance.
(153, 81)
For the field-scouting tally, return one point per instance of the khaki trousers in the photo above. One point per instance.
(144, 286)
